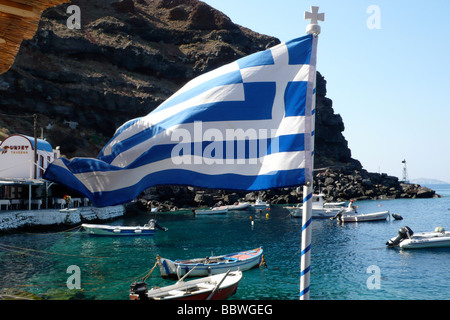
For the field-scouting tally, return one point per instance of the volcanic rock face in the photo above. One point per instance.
(126, 59)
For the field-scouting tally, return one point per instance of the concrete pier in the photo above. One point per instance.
(11, 220)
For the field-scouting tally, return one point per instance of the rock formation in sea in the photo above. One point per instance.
(131, 55)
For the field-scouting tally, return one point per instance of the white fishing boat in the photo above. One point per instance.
(212, 210)
(107, 230)
(216, 287)
(321, 210)
(407, 239)
(334, 204)
(360, 217)
(238, 206)
(244, 260)
(260, 205)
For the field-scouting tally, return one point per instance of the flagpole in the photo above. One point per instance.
(305, 263)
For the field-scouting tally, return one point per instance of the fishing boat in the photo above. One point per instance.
(360, 217)
(260, 205)
(216, 287)
(212, 210)
(239, 206)
(320, 209)
(106, 230)
(244, 260)
(407, 239)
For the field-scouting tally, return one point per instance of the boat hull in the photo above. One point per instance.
(297, 212)
(213, 211)
(199, 289)
(376, 216)
(101, 230)
(427, 240)
(260, 206)
(240, 206)
(242, 261)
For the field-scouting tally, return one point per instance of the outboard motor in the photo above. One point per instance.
(139, 288)
(403, 233)
(155, 224)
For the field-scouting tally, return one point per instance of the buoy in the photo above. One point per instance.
(267, 215)
(253, 222)
(396, 216)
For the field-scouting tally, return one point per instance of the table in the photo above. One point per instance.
(76, 202)
(36, 202)
(7, 203)
(16, 203)
(61, 202)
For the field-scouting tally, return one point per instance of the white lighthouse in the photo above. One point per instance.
(405, 173)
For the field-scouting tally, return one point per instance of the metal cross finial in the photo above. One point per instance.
(314, 16)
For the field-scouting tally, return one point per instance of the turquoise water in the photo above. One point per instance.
(342, 255)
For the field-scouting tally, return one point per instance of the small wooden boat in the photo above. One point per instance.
(244, 260)
(407, 239)
(212, 210)
(105, 230)
(239, 206)
(215, 287)
(360, 217)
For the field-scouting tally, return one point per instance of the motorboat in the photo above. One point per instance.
(108, 230)
(321, 210)
(334, 204)
(212, 210)
(407, 239)
(342, 216)
(243, 260)
(216, 287)
(239, 206)
(260, 204)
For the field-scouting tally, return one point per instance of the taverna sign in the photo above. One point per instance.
(17, 154)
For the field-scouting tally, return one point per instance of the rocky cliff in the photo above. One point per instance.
(127, 58)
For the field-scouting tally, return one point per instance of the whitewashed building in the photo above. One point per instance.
(17, 157)
(18, 179)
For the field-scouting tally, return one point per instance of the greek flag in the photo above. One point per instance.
(247, 125)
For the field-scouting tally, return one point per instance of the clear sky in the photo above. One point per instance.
(387, 66)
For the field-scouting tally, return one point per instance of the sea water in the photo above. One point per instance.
(348, 261)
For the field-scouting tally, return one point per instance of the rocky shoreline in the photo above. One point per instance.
(336, 185)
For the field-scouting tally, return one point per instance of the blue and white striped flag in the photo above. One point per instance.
(245, 126)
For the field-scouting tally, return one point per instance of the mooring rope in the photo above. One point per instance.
(58, 232)
(143, 278)
(14, 249)
(150, 272)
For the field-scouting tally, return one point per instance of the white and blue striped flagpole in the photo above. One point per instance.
(305, 263)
